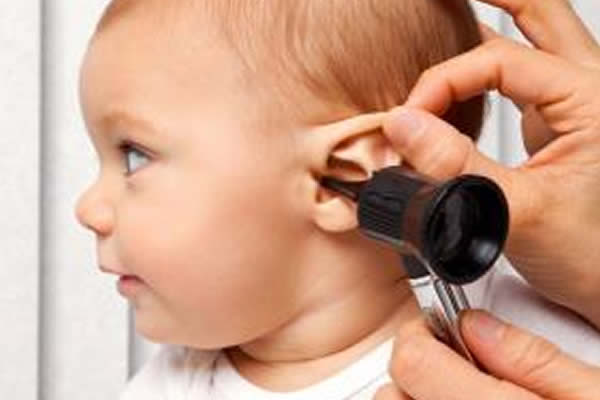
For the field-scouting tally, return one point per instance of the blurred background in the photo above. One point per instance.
(65, 333)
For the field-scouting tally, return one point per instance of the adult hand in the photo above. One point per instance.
(554, 197)
(522, 366)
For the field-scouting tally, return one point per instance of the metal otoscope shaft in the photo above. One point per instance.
(442, 304)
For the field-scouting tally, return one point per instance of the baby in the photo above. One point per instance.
(214, 121)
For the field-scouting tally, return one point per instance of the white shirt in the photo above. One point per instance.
(180, 373)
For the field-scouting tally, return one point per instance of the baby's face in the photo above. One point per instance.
(200, 206)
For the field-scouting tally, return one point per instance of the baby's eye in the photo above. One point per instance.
(132, 157)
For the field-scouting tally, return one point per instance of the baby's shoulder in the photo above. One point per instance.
(171, 373)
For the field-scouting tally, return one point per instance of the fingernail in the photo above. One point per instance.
(404, 125)
(486, 327)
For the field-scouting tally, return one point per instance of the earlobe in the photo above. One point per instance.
(353, 150)
(334, 213)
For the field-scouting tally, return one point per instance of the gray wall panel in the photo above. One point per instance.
(85, 336)
(20, 197)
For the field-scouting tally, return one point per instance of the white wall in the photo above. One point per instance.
(65, 333)
(19, 197)
(85, 336)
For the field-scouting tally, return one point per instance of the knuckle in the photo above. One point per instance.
(464, 155)
(450, 156)
(533, 355)
(497, 49)
(502, 47)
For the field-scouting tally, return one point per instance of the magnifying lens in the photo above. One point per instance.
(448, 233)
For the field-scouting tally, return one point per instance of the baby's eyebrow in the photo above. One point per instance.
(120, 119)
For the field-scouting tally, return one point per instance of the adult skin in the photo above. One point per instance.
(554, 197)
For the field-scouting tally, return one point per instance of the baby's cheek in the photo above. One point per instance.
(222, 266)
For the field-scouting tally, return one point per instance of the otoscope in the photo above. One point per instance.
(448, 233)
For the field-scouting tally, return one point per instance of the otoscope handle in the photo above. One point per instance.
(459, 226)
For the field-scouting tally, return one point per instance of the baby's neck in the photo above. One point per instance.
(324, 341)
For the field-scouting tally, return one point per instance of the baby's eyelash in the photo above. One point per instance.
(125, 147)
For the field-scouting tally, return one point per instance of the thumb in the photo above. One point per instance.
(434, 147)
(527, 360)
(437, 149)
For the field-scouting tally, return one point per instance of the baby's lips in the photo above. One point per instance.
(130, 278)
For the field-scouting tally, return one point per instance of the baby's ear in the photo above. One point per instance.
(351, 150)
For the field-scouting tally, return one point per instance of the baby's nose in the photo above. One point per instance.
(94, 213)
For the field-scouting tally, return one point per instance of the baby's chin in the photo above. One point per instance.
(162, 335)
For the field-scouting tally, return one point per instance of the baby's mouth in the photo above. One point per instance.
(130, 278)
(129, 285)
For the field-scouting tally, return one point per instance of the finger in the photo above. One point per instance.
(553, 26)
(527, 360)
(487, 34)
(525, 75)
(435, 148)
(426, 369)
(390, 392)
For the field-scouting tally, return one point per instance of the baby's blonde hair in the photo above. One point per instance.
(362, 55)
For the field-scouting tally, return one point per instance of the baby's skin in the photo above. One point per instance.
(209, 196)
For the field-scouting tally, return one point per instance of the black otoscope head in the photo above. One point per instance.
(459, 227)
